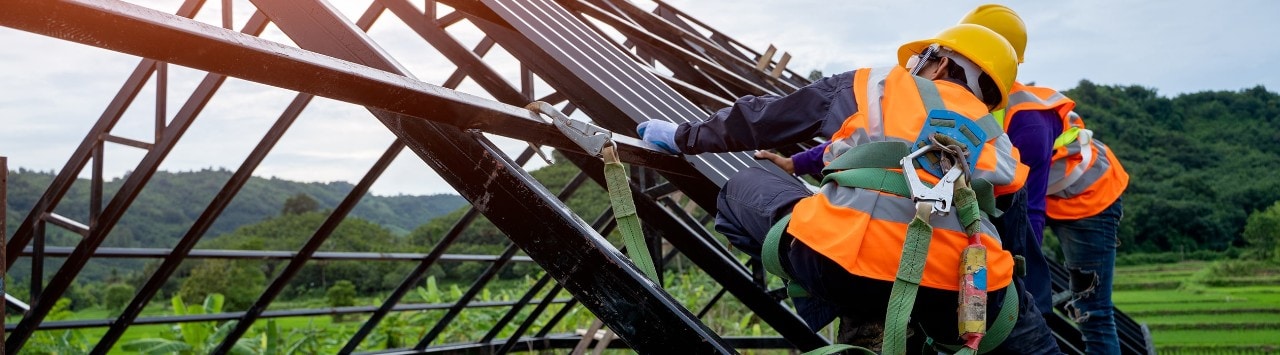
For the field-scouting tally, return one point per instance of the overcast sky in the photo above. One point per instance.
(51, 91)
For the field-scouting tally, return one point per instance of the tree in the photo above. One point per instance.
(118, 295)
(1262, 231)
(240, 281)
(299, 204)
(815, 74)
(342, 294)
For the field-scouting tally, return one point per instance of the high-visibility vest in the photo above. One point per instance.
(1085, 177)
(1035, 98)
(864, 230)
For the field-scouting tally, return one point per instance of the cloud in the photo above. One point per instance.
(52, 91)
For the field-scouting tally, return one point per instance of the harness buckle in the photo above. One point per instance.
(593, 140)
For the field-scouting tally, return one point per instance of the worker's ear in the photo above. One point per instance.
(937, 71)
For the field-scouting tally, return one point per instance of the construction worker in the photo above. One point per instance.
(1084, 217)
(845, 244)
(1083, 206)
(1030, 120)
(1029, 125)
(1074, 187)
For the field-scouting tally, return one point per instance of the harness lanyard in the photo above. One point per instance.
(624, 211)
(599, 143)
(951, 190)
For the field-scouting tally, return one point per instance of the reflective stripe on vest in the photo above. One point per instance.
(1088, 180)
(864, 230)
(1060, 178)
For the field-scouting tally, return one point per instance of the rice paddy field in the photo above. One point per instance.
(1203, 307)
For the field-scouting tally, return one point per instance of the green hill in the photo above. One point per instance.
(1199, 164)
(171, 202)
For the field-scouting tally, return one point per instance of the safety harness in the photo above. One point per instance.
(949, 137)
(599, 143)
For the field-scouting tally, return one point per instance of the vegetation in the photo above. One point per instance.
(173, 200)
(1198, 162)
(1263, 232)
(1195, 195)
(1194, 314)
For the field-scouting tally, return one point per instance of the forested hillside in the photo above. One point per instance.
(171, 202)
(1199, 164)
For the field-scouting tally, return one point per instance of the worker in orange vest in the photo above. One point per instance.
(1079, 198)
(1029, 121)
(849, 244)
(1085, 188)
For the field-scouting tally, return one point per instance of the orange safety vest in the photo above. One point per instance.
(1035, 98)
(1085, 177)
(864, 230)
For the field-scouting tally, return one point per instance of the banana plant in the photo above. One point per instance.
(193, 337)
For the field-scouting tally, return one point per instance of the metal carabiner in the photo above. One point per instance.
(940, 195)
(593, 140)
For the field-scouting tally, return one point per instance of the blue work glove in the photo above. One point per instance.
(659, 133)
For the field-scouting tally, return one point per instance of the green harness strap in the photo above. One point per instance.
(893, 182)
(999, 330)
(864, 166)
(624, 211)
(902, 297)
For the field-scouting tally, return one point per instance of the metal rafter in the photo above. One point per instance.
(412, 110)
(324, 31)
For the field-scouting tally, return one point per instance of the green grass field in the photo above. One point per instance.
(1194, 315)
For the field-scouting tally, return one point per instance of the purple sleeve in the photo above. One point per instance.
(1033, 132)
(809, 161)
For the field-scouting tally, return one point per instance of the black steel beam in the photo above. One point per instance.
(489, 273)
(148, 33)
(717, 39)
(716, 262)
(673, 53)
(218, 317)
(475, 68)
(411, 281)
(136, 253)
(565, 342)
(313, 244)
(114, 210)
(604, 224)
(69, 172)
(649, 319)
(171, 262)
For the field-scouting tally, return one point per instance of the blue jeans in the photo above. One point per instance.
(1089, 246)
(1017, 237)
(754, 199)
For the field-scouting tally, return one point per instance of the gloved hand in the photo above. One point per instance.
(660, 133)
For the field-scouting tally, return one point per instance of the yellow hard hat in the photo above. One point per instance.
(984, 47)
(1002, 20)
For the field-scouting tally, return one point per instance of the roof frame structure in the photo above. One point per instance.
(446, 129)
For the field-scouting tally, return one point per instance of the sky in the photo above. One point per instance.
(52, 92)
